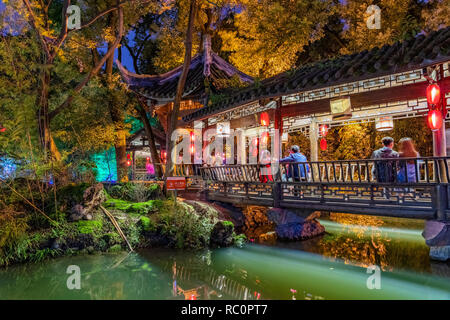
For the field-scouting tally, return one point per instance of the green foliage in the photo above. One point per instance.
(187, 229)
(137, 192)
(12, 228)
(147, 224)
(239, 240)
(89, 226)
(228, 224)
(140, 208)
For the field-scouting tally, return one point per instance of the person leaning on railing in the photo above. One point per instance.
(297, 172)
(384, 170)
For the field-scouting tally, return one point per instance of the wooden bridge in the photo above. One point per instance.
(356, 186)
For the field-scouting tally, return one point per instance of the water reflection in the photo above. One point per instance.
(331, 267)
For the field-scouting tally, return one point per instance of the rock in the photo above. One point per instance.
(437, 233)
(92, 198)
(283, 216)
(299, 230)
(270, 237)
(295, 225)
(441, 253)
(54, 244)
(222, 234)
(77, 212)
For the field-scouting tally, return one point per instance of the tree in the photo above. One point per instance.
(270, 34)
(399, 19)
(37, 15)
(180, 88)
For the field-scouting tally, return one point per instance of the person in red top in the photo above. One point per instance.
(266, 170)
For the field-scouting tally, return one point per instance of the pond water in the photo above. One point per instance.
(334, 266)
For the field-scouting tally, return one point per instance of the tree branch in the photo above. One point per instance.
(106, 11)
(94, 71)
(32, 21)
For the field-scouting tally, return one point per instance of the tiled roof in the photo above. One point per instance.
(162, 88)
(416, 53)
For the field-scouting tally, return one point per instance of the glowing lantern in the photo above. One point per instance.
(435, 120)
(384, 124)
(192, 136)
(323, 144)
(264, 119)
(192, 149)
(323, 130)
(2, 128)
(433, 94)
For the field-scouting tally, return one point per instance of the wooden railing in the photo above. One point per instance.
(385, 171)
(406, 187)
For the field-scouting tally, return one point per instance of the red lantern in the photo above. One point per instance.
(264, 119)
(323, 144)
(323, 130)
(433, 94)
(192, 149)
(192, 136)
(435, 119)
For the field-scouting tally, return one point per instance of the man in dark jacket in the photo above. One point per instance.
(384, 170)
(296, 156)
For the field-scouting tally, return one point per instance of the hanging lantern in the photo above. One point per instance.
(192, 149)
(435, 119)
(192, 136)
(264, 119)
(433, 94)
(323, 144)
(323, 129)
(2, 128)
(384, 124)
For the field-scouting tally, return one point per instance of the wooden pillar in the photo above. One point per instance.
(439, 142)
(278, 125)
(313, 137)
(133, 168)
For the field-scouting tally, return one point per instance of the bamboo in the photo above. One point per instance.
(116, 225)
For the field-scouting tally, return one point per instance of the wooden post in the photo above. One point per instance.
(133, 168)
(313, 136)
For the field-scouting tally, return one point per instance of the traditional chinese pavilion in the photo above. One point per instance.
(381, 84)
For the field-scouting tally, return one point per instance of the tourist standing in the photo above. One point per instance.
(384, 171)
(407, 168)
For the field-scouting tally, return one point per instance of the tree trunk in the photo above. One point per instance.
(151, 140)
(180, 89)
(45, 137)
(120, 146)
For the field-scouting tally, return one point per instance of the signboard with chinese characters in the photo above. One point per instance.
(341, 108)
(176, 183)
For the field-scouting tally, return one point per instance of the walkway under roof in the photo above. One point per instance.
(408, 55)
